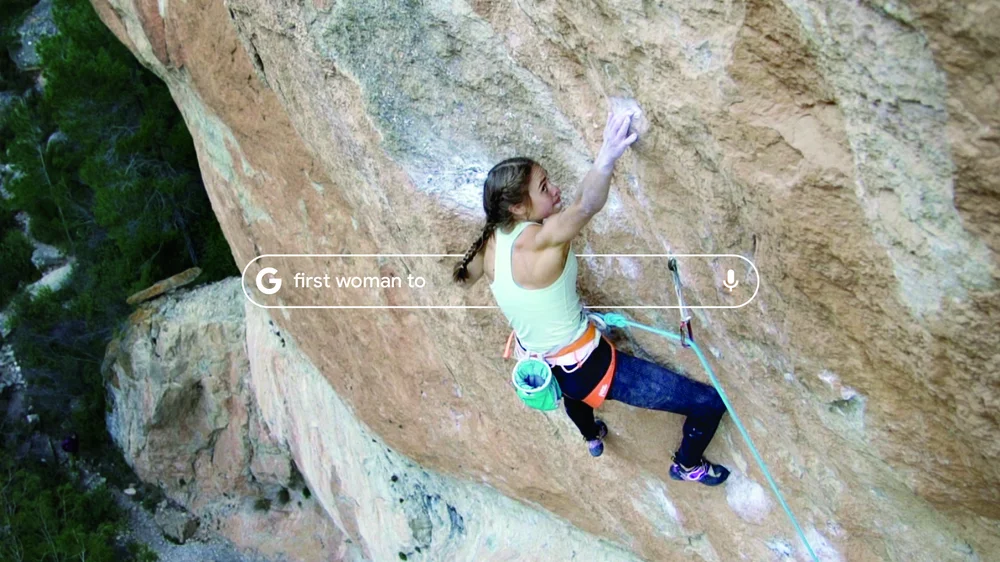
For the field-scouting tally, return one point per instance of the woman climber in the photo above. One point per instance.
(525, 252)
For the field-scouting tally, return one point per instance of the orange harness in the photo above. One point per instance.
(600, 392)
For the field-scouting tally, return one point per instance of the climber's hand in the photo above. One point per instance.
(616, 139)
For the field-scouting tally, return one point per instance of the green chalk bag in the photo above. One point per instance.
(535, 384)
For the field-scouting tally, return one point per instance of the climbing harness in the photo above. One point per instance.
(574, 354)
(611, 319)
(685, 314)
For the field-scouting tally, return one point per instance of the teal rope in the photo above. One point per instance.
(620, 321)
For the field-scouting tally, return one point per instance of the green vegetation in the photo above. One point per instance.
(105, 169)
(43, 517)
(107, 172)
(15, 255)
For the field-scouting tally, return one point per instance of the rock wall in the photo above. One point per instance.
(185, 413)
(848, 148)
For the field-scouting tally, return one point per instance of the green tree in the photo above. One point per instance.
(43, 517)
(43, 184)
(15, 255)
(106, 170)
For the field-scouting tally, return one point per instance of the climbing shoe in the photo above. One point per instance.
(596, 446)
(707, 473)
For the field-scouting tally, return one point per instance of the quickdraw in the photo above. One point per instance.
(685, 325)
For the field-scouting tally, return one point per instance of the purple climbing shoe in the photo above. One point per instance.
(596, 446)
(707, 473)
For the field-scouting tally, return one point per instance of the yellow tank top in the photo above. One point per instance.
(545, 319)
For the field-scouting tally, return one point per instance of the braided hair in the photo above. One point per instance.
(506, 185)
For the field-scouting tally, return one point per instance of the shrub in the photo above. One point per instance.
(43, 516)
(15, 255)
(106, 170)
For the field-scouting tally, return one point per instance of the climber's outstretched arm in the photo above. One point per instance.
(563, 226)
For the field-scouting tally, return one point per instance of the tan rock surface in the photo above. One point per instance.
(184, 414)
(849, 149)
(169, 284)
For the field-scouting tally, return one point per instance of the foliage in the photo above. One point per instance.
(43, 185)
(105, 169)
(15, 255)
(45, 517)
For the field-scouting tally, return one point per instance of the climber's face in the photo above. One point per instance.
(545, 197)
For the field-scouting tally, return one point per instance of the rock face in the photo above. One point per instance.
(848, 149)
(165, 286)
(37, 24)
(185, 415)
(175, 524)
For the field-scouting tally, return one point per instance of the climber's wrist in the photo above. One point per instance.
(604, 165)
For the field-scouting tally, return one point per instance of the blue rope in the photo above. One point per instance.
(620, 321)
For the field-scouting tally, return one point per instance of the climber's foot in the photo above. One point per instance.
(707, 473)
(596, 446)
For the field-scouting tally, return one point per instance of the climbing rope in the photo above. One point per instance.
(619, 321)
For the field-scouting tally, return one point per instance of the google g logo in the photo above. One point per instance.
(273, 282)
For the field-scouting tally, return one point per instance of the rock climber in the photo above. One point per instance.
(524, 250)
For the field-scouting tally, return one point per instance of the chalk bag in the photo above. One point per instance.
(535, 384)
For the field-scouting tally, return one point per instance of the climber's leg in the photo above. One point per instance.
(593, 431)
(647, 385)
(583, 416)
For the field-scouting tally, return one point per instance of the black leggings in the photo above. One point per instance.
(644, 384)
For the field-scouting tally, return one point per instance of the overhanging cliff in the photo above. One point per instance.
(848, 149)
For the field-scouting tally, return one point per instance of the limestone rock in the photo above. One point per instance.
(183, 413)
(383, 503)
(165, 286)
(37, 447)
(36, 25)
(849, 149)
(45, 257)
(10, 370)
(176, 524)
(54, 280)
(188, 414)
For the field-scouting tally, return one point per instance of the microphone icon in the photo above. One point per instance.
(731, 282)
